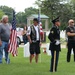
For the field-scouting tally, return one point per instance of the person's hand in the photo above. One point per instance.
(40, 43)
(57, 42)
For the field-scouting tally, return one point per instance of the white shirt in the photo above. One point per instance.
(36, 29)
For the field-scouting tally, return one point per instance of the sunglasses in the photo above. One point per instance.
(72, 22)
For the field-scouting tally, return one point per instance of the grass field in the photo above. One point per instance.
(20, 65)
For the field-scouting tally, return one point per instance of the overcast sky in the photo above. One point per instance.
(19, 5)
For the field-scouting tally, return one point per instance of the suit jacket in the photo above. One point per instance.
(53, 36)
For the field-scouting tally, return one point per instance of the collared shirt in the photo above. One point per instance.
(36, 29)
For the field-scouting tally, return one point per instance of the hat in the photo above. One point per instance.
(55, 20)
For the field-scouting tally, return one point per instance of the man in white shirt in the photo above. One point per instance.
(33, 34)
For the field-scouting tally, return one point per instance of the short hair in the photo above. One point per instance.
(71, 20)
(35, 19)
(4, 16)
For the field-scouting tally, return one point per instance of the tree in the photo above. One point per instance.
(30, 11)
(7, 11)
(1, 14)
(54, 8)
(22, 16)
(72, 4)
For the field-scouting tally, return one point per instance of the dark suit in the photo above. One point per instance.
(53, 36)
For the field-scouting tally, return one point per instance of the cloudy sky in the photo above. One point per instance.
(18, 5)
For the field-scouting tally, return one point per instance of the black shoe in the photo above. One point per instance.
(68, 61)
(50, 71)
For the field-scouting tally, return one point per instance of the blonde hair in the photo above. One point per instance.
(4, 16)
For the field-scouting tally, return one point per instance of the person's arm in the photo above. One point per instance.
(23, 32)
(29, 38)
(70, 34)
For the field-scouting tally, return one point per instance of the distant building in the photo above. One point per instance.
(43, 17)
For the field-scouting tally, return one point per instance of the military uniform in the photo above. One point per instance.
(53, 36)
(71, 42)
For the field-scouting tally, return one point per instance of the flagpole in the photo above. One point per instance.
(54, 61)
(39, 13)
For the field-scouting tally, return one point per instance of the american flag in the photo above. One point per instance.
(40, 25)
(13, 37)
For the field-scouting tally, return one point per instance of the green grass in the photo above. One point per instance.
(20, 65)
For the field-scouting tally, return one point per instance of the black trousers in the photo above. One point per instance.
(70, 45)
(52, 61)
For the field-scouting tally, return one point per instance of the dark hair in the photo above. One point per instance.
(24, 27)
(35, 19)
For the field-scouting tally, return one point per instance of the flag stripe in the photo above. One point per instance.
(13, 37)
(40, 24)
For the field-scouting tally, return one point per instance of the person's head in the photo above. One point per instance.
(5, 19)
(25, 27)
(56, 21)
(35, 21)
(71, 22)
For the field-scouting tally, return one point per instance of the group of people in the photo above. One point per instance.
(54, 37)
(32, 34)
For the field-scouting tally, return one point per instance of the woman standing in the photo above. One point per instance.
(25, 39)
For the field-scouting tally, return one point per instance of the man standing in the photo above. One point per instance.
(33, 34)
(54, 37)
(70, 32)
(4, 38)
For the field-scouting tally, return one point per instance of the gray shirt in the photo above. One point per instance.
(4, 32)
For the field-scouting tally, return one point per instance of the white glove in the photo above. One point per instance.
(57, 42)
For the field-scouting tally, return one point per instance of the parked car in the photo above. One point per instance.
(19, 35)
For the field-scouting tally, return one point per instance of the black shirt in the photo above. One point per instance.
(70, 29)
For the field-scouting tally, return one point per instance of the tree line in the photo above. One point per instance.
(52, 8)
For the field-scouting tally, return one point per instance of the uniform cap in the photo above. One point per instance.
(55, 20)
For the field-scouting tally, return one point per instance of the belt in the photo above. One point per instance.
(35, 41)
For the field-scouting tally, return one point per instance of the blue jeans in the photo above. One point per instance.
(4, 47)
